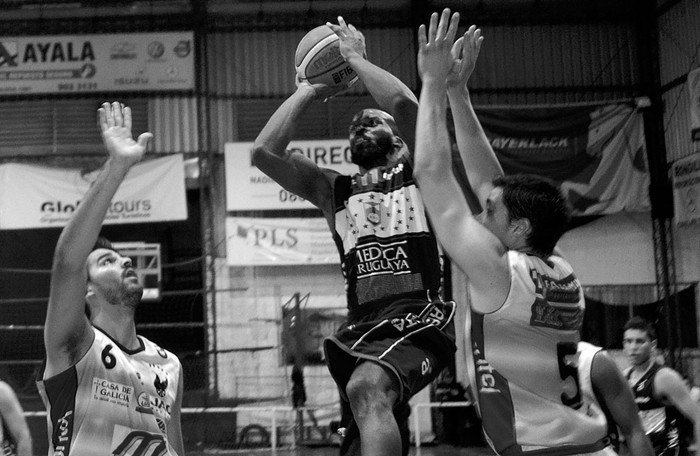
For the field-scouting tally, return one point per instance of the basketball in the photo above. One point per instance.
(318, 60)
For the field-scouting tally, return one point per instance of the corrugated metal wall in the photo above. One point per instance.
(679, 30)
(545, 64)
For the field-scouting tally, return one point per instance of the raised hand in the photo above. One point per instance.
(115, 123)
(434, 49)
(464, 52)
(352, 41)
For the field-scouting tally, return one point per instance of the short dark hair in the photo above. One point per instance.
(103, 243)
(640, 324)
(539, 200)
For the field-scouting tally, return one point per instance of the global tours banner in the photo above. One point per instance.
(279, 242)
(41, 197)
(161, 61)
(597, 154)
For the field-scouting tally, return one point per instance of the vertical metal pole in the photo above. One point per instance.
(206, 158)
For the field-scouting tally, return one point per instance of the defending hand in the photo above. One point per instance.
(115, 123)
(464, 52)
(434, 49)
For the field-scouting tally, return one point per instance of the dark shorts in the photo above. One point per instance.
(412, 339)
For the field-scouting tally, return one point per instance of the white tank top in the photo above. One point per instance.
(113, 401)
(524, 358)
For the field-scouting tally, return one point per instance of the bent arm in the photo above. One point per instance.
(612, 388)
(672, 388)
(66, 332)
(294, 172)
(12, 415)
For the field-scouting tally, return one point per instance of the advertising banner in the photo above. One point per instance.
(248, 188)
(685, 174)
(97, 63)
(279, 241)
(597, 154)
(41, 197)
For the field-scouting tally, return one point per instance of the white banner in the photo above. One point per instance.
(248, 188)
(40, 197)
(279, 242)
(694, 92)
(686, 189)
(97, 63)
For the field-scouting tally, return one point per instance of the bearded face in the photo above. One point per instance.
(372, 139)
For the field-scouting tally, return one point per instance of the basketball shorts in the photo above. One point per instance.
(414, 340)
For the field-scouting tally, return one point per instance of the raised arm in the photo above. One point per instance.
(611, 387)
(66, 332)
(294, 172)
(673, 390)
(473, 145)
(392, 95)
(12, 415)
(477, 251)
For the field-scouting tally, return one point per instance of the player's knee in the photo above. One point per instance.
(371, 387)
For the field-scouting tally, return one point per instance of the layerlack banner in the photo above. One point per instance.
(41, 197)
(598, 154)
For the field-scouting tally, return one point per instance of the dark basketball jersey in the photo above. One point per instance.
(387, 249)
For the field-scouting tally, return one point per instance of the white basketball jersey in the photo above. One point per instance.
(524, 366)
(113, 401)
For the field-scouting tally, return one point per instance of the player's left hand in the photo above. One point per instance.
(464, 52)
(115, 123)
(352, 41)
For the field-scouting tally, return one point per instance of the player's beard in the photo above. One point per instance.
(126, 294)
(372, 152)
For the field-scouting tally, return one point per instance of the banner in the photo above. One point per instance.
(685, 174)
(97, 63)
(598, 154)
(40, 197)
(279, 242)
(694, 93)
(248, 188)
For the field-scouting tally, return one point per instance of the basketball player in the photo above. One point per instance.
(399, 335)
(15, 438)
(661, 393)
(107, 391)
(526, 303)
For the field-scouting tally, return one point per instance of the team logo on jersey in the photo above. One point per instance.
(373, 212)
(161, 386)
(111, 392)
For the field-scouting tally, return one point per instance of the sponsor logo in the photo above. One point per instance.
(62, 434)
(111, 392)
(8, 53)
(485, 378)
(161, 386)
(52, 52)
(123, 51)
(155, 50)
(141, 443)
(183, 48)
(378, 258)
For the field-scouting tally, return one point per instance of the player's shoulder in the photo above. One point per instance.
(151, 348)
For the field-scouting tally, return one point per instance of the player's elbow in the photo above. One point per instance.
(258, 155)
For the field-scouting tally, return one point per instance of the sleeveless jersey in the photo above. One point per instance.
(387, 249)
(113, 401)
(524, 366)
(7, 446)
(660, 421)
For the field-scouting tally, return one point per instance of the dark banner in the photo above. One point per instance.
(597, 154)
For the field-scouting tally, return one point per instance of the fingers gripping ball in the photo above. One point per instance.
(318, 60)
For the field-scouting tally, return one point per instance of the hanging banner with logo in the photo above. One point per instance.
(248, 188)
(685, 174)
(40, 197)
(96, 63)
(694, 93)
(597, 154)
(279, 242)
